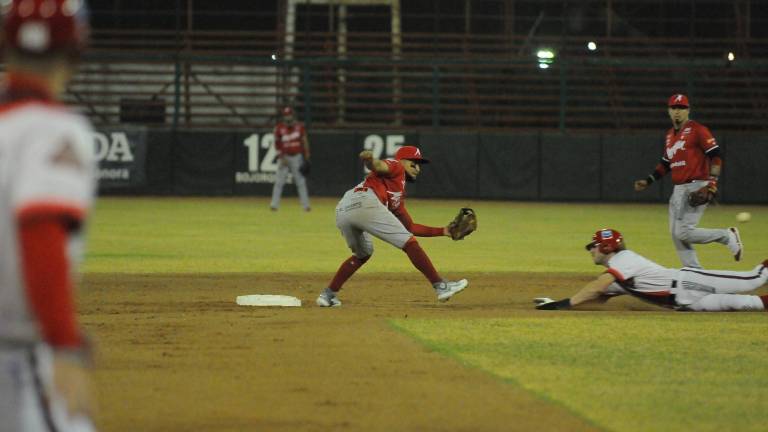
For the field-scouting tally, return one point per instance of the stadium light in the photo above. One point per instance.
(274, 56)
(545, 54)
(731, 56)
(591, 46)
(546, 57)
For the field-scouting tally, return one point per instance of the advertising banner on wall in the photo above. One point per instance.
(121, 156)
(255, 162)
(384, 145)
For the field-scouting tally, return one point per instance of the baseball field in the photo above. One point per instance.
(175, 353)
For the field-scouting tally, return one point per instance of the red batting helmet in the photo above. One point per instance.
(287, 111)
(678, 100)
(410, 153)
(40, 27)
(607, 240)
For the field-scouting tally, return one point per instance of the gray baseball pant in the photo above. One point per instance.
(291, 165)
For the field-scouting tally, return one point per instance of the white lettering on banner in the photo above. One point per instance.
(114, 174)
(376, 144)
(679, 145)
(115, 148)
(260, 169)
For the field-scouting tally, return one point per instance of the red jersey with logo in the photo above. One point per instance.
(390, 190)
(686, 150)
(389, 187)
(289, 140)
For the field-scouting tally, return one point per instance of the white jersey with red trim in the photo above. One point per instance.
(46, 164)
(637, 273)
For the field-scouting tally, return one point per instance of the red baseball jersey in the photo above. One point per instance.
(289, 139)
(686, 150)
(389, 187)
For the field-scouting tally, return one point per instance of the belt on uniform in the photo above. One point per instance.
(360, 189)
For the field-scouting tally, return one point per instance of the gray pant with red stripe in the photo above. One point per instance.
(717, 290)
(28, 401)
(360, 215)
(684, 221)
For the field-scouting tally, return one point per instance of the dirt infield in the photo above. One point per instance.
(177, 354)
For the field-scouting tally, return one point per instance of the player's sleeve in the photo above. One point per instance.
(57, 176)
(709, 146)
(47, 279)
(394, 168)
(706, 140)
(616, 273)
(416, 229)
(51, 203)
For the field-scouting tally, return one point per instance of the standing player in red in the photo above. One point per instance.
(376, 207)
(693, 156)
(292, 149)
(47, 187)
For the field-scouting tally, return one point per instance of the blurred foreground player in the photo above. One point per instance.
(47, 186)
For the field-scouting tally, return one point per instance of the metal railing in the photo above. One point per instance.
(451, 81)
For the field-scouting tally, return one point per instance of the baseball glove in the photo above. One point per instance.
(305, 168)
(704, 195)
(463, 224)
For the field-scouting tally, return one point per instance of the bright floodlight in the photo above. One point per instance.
(274, 56)
(545, 54)
(731, 57)
(591, 46)
(543, 66)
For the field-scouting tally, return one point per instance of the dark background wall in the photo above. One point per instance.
(526, 166)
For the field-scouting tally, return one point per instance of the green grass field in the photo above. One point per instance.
(182, 235)
(621, 370)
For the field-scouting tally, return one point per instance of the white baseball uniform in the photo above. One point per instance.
(686, 288)
(46, 168)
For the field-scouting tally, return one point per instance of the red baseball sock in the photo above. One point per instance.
(421, 261)
(346, 270)
(764, 298)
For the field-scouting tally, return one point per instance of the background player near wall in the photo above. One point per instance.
(292, 145)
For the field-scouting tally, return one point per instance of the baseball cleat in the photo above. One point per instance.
(734, 243)
(542, 300)
(447, 289)
(328, 298)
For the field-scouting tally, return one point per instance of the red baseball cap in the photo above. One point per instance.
(410, 153)
(40, 27)
(679, 99)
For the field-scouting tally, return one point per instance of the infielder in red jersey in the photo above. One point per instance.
(693, 157)
(376, 207)
(47, 187)
(685, 289)
(292, 147)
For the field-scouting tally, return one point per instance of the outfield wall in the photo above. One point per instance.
(533, 166)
